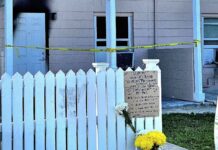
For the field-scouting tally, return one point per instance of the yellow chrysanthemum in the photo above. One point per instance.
(158, 137)
(143, 143)
(146, 144)
(138, 141)
(149, 140)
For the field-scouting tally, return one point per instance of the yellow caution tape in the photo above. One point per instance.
(195, 42)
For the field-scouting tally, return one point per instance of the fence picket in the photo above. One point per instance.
(101, 107)
(158, 120)
(17, 112)
(81, 97)
(121, 135)
(111, 109)
(28, 112)
(91, 102)
(71, 111)
(50, 111)
(90, 123)
(6, 112)
(60, 111)
(130, 135)
(39, 111)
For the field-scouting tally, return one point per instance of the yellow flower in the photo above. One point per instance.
(158, 137)
(138, 141)
(144, 143)
(149, 140)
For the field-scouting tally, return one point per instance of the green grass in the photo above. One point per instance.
(191, 131)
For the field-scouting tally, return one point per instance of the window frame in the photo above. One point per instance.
(203, 36)
(130, 34)
(129, 39)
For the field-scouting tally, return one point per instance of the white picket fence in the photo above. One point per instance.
(67, 112)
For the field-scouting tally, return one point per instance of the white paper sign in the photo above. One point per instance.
(142, 93)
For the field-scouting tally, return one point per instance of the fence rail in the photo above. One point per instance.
(72, 111)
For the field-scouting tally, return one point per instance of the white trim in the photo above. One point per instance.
(9, 36)
(208, 39)
(95, 31)
(118, 14)
(130, 34)
(198, 87)
(111, 31)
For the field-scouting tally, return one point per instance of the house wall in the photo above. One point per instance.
(209, 6)
(174, 21)
(74, 27)
(1, 40)
(177, 72)
(174, 24)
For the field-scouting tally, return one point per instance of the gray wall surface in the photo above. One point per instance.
(177, 72)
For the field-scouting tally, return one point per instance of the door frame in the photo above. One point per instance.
(46, 67)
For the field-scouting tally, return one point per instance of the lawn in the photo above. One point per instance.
(191, 131)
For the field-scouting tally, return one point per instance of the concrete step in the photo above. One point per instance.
(169, 146)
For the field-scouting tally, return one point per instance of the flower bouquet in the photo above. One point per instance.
(150, 141)
(144, 141)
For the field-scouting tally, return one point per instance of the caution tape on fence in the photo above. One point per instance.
(195, 42)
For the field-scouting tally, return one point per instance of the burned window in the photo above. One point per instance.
(122, 27)
(123, 39)
(101, 28)
(122, 32)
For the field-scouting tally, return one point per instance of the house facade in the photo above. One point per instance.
(82, 24)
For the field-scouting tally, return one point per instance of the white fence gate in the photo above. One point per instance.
(72, 111)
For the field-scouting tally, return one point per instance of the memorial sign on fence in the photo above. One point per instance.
(142, 93)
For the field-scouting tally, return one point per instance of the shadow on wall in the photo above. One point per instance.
(177, 72)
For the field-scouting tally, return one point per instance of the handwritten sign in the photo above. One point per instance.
(142, 93)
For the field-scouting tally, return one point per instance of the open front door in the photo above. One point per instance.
(30, 31)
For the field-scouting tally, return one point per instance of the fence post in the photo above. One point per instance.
(100, 67)
(151, 65)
